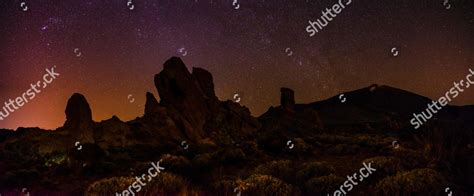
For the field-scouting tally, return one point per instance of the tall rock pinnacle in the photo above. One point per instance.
(287, 98)
(79, 118)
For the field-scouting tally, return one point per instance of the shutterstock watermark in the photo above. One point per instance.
(327, 16)
(350, 183)
(11, 105)
(433, 107)
(138, 184)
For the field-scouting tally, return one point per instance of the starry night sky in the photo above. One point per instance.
(246, 49)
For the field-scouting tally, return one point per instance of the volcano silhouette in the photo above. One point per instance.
(229, 151)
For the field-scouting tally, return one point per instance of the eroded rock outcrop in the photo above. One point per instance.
(79, 121)
(287, 98)
(190, 100)
(151, 104)
(181, 94)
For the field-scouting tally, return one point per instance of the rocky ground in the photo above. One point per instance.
(213, 147)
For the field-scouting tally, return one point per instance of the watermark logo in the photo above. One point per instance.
(236, 98)
(184, 144)
(236, 4)
(350, 183)
(433, 107)
(78, 144)
(394, 51)
(23, 6)
(11, 106)
(77, 52)
(450, 193)
(342, 98)
(327, 16)
(140, 181)
(130, 98)
(288, 52)
(290, 144)
(395, 144)
(24, 191)
(130, 5)
(183, 51)
(239, 192)
(446, 4)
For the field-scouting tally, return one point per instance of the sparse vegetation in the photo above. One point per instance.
(323, 184)
(267, 185)
(109, 186)
(314, 169)
(282, 169)
(415, 182)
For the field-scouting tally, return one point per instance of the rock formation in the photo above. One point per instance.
(225, 141)
(151, 104)
(79, 121)
(191, 102)
(287, 98)
(182, 95)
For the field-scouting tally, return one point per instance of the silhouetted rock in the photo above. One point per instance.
(287, 98)
(225, 140)
(204, 79)
(79, 118)
(191, 102)
(112, 133)
(151, 104)
(77, 111)
(181, 94)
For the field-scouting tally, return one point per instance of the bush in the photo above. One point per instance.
(168, 184)
(206, 145)
(313, 169)
(415, 182)
(55, 158)
(324, 184)
(411, 158)
(231, 155)
(109, 186)
(175, 164)
(203, 162)
(226, 187)
(163, 183)
(282, 169)
(385, 165)
(267, 185)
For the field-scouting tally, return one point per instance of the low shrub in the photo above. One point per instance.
(109, 186)
(415, 182)
(267, 185)
(385, 166)
(168, 184)
(226, 187)
(282, 169)
(313, 169)
(175, 164)
(203, 162)
(324, 184)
